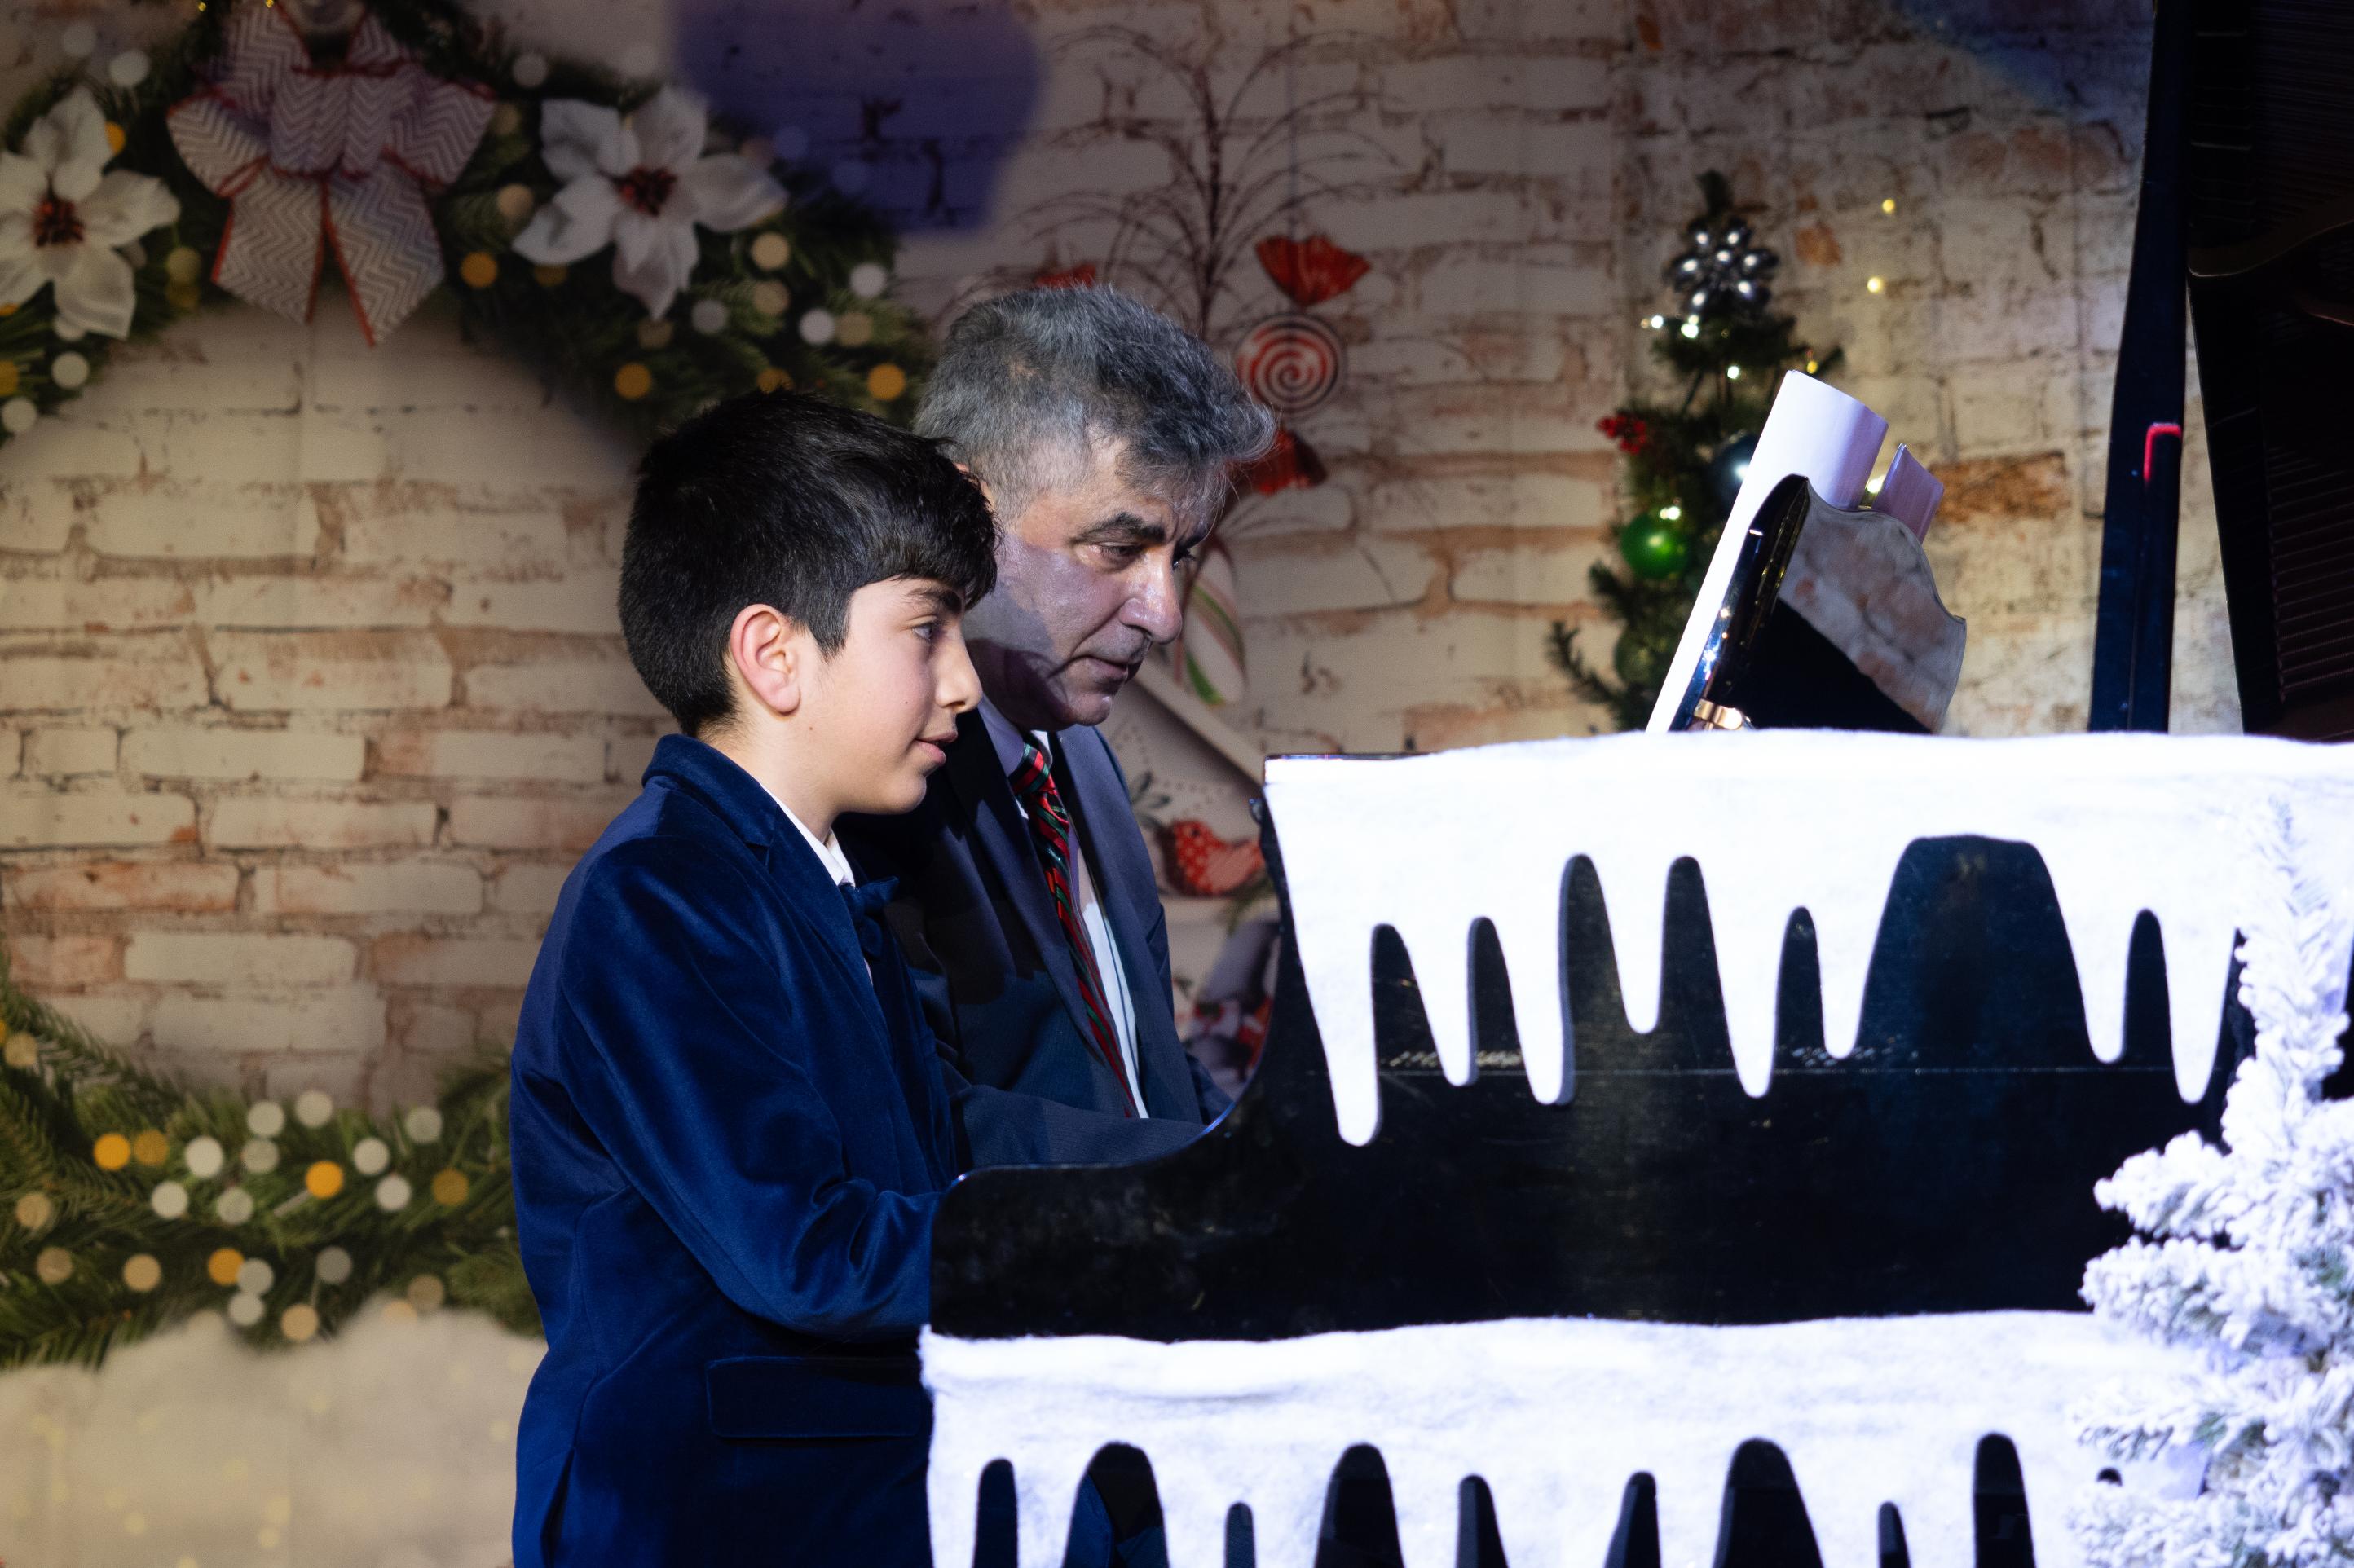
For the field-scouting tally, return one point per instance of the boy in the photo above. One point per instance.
(728, 1123)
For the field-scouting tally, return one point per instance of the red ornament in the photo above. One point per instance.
(1310, 271)
(1082, 276)
(1289, 464)
(1631, 433)
(1204, 865)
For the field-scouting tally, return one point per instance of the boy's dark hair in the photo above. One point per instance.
(779, 499)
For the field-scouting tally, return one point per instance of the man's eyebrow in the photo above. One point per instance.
(1126, 528)
(938, 598)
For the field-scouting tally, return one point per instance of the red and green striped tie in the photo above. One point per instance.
(1050, 826)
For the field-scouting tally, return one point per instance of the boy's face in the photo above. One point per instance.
(883, 709)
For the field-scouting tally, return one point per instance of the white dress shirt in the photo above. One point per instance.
(828, 849)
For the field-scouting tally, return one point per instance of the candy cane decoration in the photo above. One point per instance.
(1291, 362)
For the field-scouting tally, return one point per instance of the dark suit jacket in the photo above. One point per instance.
(994, 971)
(729, 1144)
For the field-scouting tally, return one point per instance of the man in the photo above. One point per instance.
(1104, 436)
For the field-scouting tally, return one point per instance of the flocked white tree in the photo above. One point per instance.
(2246, 1258)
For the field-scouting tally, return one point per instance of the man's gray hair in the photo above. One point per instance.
(1030, 381)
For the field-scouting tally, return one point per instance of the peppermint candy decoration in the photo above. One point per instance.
(1291, 362)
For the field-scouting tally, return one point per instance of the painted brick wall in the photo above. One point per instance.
(313, 690)
(310, 686)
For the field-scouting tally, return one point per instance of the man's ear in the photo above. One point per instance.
(767, 653)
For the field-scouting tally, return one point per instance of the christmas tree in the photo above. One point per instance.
(1686, 455)
(2246, 1258)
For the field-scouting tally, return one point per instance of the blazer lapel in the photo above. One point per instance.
(1004, 838)
(1124, 882)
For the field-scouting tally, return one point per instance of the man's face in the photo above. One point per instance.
(884, 707)
(1086, 583)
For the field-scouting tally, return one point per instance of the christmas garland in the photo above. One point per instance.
(132, 1203)
(593, 226)
(596, 227)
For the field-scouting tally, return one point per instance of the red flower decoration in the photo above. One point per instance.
(1289, 464)
(1204, 865)
(1079, 277)
(1631, 433)
(1310, 271)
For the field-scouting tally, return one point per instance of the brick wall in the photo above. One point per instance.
(313, 690)
(310, 686)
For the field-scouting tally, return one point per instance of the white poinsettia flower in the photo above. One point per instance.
(641, 186)
(62, 216)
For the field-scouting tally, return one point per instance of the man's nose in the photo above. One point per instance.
(1156, 607)
(959, 685)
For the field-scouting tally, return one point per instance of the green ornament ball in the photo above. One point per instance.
(1655, 548)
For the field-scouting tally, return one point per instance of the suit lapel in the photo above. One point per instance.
(1004, 838)
(1124, 883)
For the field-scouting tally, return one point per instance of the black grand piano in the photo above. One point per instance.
(1662, 1191)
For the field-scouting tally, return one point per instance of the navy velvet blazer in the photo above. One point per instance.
(728, 1145)
(994, 971)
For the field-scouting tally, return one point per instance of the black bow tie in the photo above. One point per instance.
(867, 902)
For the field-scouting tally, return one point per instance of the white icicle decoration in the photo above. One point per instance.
(1778, 822)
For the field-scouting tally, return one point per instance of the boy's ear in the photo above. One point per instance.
(767, 653)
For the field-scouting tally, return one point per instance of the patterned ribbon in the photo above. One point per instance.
(1050, 826)
(309, 157)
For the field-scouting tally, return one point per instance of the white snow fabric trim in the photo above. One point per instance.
(1556, 1415)
(1778, 820)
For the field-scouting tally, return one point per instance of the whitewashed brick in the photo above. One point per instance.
(421, 523)
(527, 889)
(419, 887)
(219, 753)
(34, 514)
(505, 823)
(77, 443)
(94, 819)
(11, 750)
(184, 886)
(221, 958)
(195, 520)
(290, 603)
(586, 603)
(247, 1021)
(106, 604)
(252, 821)
(493, 754)
(144, 670)
(329, 671)
(62, 753)
(471, 961)
(570, 685)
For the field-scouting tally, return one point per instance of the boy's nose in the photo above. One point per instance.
(959, 689)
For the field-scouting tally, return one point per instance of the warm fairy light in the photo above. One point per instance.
(1872, 485)
(1811, 367)
(1671, 513)
(1888, 204)
(1691, 326)
(1732, 373)
(1875, 285)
